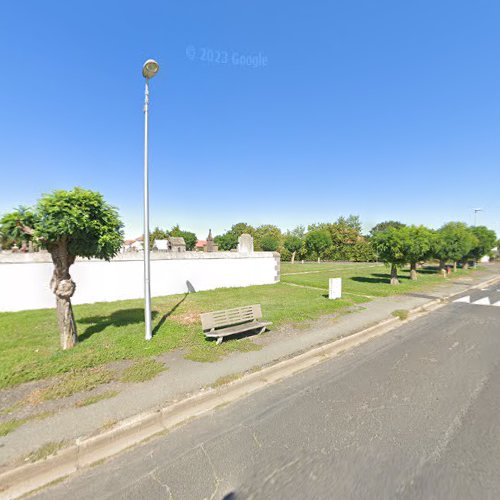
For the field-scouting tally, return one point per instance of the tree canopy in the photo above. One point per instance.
(71, 224)
(453, 242)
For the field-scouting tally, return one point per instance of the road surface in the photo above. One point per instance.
(414, 414)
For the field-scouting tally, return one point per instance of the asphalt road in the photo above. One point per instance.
(412, 414)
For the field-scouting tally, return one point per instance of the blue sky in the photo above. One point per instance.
(387, 109)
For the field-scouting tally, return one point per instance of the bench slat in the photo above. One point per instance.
(231, 330)
(219, 319)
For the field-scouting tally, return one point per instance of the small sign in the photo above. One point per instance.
(335, 288)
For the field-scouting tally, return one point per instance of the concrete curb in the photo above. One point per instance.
(134, 430)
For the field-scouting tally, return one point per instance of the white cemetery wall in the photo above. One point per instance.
(25, 285)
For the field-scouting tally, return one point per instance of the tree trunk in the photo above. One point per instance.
(442, 265)
(64, 287)
(413, 271)
(394, 275)
(465, 265)
(319, 259)
(293, 257)
(455, 267)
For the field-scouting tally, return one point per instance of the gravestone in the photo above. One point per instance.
(335, 288)
(245, 244)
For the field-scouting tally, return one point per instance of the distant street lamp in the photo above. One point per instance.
(149, 70)
(476, 210)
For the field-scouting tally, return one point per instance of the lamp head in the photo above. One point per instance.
(150, 68)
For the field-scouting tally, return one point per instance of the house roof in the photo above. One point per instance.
(201, 243)
(177, 240)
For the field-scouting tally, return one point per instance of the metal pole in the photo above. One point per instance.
(147, 288)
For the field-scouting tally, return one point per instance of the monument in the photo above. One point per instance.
(245, 244)
(210, 246)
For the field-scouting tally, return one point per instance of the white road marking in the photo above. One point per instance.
(464, 299)
(483, 302)
(497, 304)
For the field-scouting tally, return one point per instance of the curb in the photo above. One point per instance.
(134, 430)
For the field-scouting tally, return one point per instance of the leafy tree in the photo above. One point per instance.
(70, 224)
(453, 242)
(486, 239)
(227, 241)
(269, 243)
(317, 242)
(392, 246)
(299, 231)
(293, 244)
(189, 238)
(11, 227)
(420, 241)
(382, 226)
(242, 228)
(264, 232)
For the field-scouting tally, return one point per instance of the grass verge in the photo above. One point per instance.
(142, 370)
(29, 340)
(95, 399)
(402, 314)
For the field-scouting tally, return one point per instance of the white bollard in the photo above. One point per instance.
(335, 288)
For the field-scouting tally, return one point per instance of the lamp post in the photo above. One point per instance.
(476, 210)
(149, 69)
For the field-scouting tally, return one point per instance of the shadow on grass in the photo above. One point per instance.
(122, 317)
(248, 334)
(384, 278)
(166, 315)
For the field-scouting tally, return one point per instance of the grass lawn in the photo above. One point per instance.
(360, 278)
(29, 340)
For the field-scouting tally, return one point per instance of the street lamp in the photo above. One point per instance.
(476, 210)
(149, 69)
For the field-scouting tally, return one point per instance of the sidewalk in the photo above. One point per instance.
(185, 377)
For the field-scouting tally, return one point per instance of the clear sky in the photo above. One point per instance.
(385, 109)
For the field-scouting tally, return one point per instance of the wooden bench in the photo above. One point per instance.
(219, 324)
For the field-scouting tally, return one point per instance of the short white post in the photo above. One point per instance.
(335, 288)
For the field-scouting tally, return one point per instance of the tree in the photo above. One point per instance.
(227, 241)
(318, 241)
(392, 246)
(486, 239)
(11, 227)
(269, 243)
(453, 242)
(70, 224)
(293, 244)
(382, 226)
(267, 231)
(419, 246)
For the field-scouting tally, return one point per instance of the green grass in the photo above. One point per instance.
(29, 340)
(402, 314)
(227, 379)
(142, 370)
(95, 399)
(362, 279)
(76, 381)
(11, 425)
(48, 449)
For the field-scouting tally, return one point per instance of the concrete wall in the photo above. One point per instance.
(24, 283)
